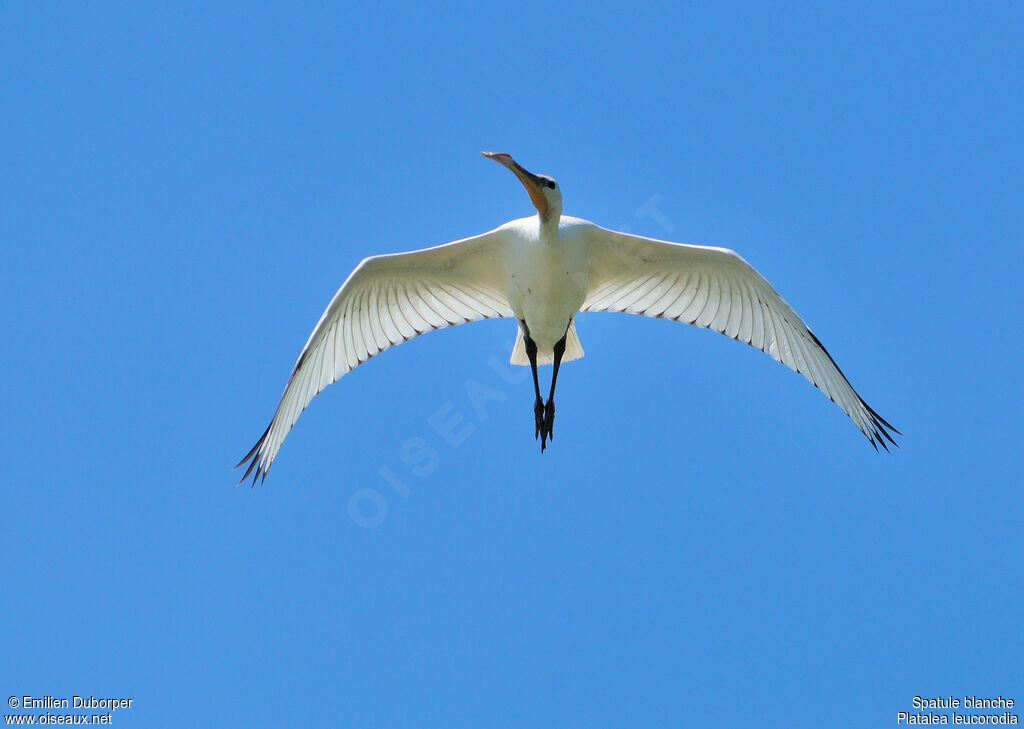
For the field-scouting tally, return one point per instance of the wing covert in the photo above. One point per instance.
(385, 301)
(716, 289)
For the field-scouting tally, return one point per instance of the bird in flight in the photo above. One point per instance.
(542, 271)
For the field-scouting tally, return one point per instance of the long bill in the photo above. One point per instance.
(528, 179)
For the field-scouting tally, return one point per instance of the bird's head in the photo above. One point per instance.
(544, 192)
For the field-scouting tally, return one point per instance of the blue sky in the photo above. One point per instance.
(708, 542)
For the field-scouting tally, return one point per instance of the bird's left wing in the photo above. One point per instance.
(716, 289)
(388, 300)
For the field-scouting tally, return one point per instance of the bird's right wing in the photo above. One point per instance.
(388, 300)
(716, 289)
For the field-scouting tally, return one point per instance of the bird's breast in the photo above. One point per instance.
(546, 285)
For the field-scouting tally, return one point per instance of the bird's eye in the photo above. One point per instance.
(551, 184)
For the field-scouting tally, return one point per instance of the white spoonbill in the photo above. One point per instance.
(542, 271)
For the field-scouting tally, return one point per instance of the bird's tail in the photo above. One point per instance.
(573, 349)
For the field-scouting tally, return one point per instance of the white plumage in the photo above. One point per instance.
(542, 271)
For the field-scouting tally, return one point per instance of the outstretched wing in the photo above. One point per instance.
(716, 289)
(388, 300)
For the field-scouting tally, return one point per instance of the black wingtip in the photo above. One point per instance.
(880, 428)
(880, 421)
(248, 471)
(253, 458)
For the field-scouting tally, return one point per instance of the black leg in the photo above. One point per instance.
(538, 405)
(549, 410)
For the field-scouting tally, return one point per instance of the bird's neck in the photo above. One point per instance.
(549, 228)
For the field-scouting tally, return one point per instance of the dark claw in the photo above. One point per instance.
(538, 415)
(549, 419)
(545, 426)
